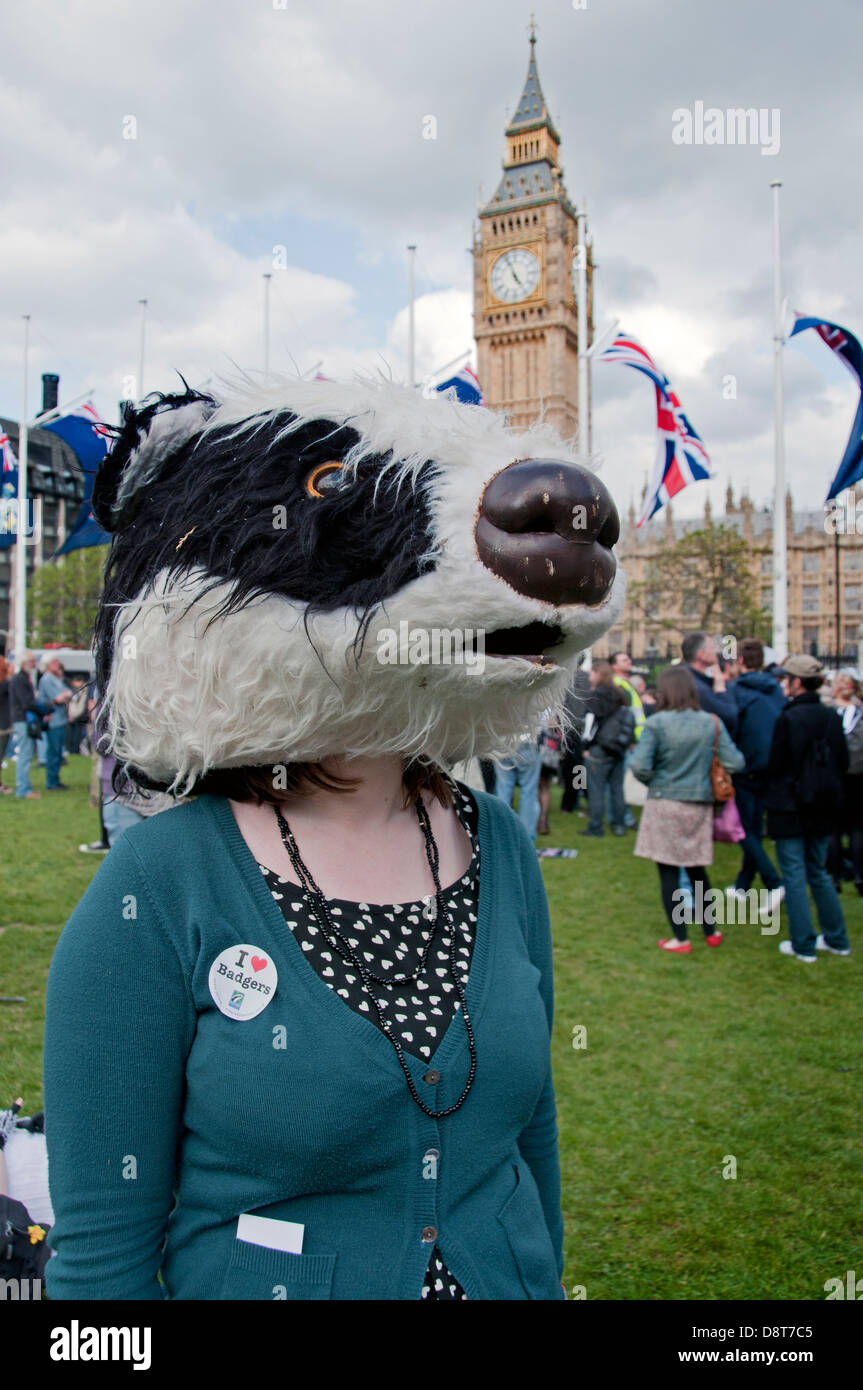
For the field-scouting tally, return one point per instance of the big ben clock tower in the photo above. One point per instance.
(525, 253)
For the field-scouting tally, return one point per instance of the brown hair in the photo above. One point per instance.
(301, 779)
(676, 690)
(604, 673)
(751, 653)
(6, 669)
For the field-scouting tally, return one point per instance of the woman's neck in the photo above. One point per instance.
(362, 845)
(376, 798)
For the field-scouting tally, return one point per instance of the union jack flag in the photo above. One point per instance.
(681, 456)
(466, 385)
(849, 351)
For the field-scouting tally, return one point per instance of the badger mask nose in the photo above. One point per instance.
(547, 528)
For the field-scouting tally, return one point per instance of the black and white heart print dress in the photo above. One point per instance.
(392, 937)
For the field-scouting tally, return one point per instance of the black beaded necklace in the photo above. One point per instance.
(339, 943)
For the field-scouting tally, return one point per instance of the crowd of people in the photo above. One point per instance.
(34, 721)
(790, 748)
(45, 717)
(791, 743)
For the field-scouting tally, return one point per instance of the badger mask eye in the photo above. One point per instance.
(324, 479)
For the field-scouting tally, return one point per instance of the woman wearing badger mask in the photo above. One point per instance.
(319, 994)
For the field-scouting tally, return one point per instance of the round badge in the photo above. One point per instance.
(242, 981)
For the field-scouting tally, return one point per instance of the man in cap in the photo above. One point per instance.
(803, 796)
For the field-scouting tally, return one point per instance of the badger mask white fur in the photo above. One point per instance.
(292, 565)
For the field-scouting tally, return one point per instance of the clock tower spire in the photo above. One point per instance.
(525, 320)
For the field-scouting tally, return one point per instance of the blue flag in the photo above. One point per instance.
(85, 434)
(846, 347)
(8, 492)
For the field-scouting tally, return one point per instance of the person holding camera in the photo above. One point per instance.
(54, 693)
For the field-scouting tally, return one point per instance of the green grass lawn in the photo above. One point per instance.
(731, 1053)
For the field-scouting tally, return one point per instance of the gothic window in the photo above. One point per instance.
(851, 639)
(853, 598)
(811, 561)
(812, 598)
(767, 599)
(853, 559)
(767, 563)
(690, 603)
(810, 639)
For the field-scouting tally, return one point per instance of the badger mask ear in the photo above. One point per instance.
(151, 434)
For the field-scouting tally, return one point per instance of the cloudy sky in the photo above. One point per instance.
(164, 150)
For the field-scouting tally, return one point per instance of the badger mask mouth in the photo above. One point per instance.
(531, 643)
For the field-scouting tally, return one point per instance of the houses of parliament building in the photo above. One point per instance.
(526, 330)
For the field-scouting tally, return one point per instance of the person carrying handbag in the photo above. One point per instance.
(675, 760)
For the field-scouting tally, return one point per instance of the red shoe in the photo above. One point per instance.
(675, 947)
(715, 939)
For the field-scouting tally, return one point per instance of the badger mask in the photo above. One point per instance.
(320, 569)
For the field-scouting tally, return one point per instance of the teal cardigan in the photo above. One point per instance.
(166, 1120)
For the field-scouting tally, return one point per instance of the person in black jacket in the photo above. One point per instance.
(803, 796)
(575, 704)
(760, 702)
(604, 769)
(5, 718)
(22, 701)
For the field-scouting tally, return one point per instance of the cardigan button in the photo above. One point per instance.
(429, 1234)
(432, 1077)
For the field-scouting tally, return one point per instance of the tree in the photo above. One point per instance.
(703, 582)
(64, 598)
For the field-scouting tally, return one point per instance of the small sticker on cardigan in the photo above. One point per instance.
(242, 981)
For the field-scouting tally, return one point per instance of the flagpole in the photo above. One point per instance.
(46, 416)
(21, 524)
(780, 544)
(143, 304)
(583, 360)
(412, 376)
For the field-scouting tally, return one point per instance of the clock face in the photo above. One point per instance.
(514, 275)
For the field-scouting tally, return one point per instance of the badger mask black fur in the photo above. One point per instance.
(279, 553)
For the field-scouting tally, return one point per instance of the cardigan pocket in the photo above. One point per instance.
(523, 1221)
(256, 1272)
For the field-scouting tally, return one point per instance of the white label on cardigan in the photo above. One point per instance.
(242, 981)
(272, 1234)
